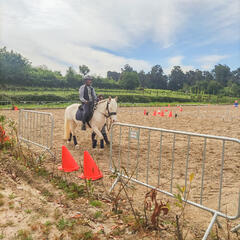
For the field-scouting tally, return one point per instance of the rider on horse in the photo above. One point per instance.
(88, 98)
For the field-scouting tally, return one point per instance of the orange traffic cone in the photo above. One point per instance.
(16, 108)
(68, 162)
(155, 113)
(145, 112)
(90, 169)
(162, 113)
(180, 109)
(170, 114)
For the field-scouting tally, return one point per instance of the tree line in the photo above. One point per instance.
(16, 70)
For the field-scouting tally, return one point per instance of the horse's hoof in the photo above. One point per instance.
(77, 147)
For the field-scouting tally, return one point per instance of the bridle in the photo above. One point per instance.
(108, 115)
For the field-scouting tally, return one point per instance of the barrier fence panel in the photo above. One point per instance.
(36, 128)
(161, 159)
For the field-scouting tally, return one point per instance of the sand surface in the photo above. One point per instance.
(145, 162)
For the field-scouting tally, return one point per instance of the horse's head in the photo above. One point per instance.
(112, 108)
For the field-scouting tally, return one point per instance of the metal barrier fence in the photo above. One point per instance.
(160, 159)
(36, 128)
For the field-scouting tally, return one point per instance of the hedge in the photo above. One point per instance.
(75, 97)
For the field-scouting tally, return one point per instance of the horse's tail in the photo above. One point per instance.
(66, 127)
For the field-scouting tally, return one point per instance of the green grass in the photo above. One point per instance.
(24, 235)
(28, 211)
(87, 235)
(61, 98)
(67, 92)
(62, 224)
(48, 223)
(97, 214)
(110, 92)
(96, 203)
(11, 196)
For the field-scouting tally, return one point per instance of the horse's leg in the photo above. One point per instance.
(70, 138)
(73, 126)
(96, 130)
(105, 135)
(94, 141)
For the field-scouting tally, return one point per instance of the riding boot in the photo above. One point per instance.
(105, 138)
(84, 126)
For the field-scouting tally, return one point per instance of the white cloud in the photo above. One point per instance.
(177, 61)
(60, 33)
(207, 62)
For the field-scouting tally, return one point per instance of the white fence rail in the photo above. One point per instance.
(160, 159)
(36, 128)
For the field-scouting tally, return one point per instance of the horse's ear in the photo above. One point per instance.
(116, 98)
(109, 98)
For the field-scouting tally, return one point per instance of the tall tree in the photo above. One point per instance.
(191, 77)
(176, 78)
(207, 76)
(222, 74)
(113, 75)
(213, 87)
(236, 76)
(156, 78)
(72, 78)
(129, 80)
(143, 79)
(84, 70)
(14, 68)
(127, 68)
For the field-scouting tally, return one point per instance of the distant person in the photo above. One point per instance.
(236, 103)
(88, 98)
(100, 98)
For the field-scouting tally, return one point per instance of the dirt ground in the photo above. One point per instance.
(213, 120)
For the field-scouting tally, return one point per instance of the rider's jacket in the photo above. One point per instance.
(87, 93)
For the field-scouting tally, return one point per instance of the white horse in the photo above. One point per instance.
(106, 108)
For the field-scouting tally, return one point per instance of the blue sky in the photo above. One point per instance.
(107, 34)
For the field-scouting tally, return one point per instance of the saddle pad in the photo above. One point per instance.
(79, 114)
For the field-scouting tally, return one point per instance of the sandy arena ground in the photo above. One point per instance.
(213, 120)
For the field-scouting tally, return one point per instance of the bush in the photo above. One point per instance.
(75, 98)
(43, 98)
